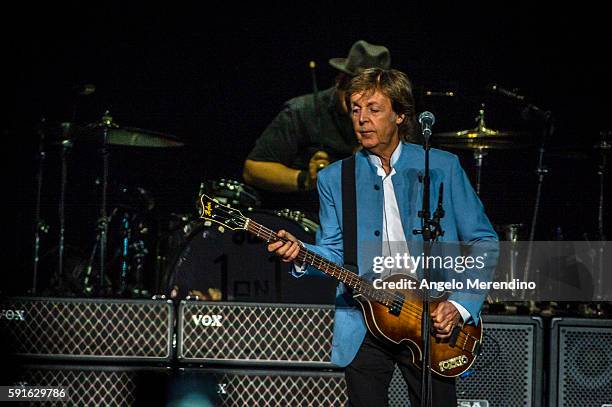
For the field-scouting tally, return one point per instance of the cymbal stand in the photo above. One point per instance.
(88, 285)
(40, 225)
(124, 257)
(604, 146)
(66, 146)
(541, 171)
(479, 155)
(107, 122)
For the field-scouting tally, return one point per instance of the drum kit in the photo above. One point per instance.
(132, 241)
(127, 245)
(518, 261)
(124, 209)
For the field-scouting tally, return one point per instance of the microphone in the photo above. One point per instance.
(528, 111)
(512, 94)
(444, 93)
(426, 120)
(85, 89)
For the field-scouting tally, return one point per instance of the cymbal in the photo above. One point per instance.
(133, 137)
(67, 132)
(481, 138)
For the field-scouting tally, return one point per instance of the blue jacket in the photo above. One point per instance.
(464, 221)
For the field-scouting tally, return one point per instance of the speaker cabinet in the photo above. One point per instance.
(233, 387)
(509, 370)
(580, 372)
(87, 329)
(255, 334)
(97, 385)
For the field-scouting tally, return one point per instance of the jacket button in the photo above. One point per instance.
(376, 187)
(377, 233)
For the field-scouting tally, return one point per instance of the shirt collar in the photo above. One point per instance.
(376, 161)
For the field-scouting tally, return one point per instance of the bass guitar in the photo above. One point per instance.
(390, 315)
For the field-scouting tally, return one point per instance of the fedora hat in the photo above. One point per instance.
(361, 56)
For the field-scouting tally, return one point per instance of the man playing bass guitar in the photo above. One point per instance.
(388, 180)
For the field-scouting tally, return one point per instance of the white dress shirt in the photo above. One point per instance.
(394, 239)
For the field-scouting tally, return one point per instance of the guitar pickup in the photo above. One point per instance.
(452, 340)
(395, 308)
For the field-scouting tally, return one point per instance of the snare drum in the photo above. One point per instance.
(239, 266)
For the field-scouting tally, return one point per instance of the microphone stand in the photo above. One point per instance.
(430, 230)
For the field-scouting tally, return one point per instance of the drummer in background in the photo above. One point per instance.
(307, 135)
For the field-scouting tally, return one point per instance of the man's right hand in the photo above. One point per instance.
(318, 161)
(288, 250)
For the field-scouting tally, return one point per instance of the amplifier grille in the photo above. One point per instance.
(250, 333)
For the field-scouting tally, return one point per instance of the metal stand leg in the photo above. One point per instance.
(40, 225)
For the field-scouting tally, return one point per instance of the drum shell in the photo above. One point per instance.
(239, 265)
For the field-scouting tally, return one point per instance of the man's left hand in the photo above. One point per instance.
(445, 318)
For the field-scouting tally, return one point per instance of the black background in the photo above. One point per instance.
(215, 76)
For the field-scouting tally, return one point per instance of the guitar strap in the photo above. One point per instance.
(349, 213)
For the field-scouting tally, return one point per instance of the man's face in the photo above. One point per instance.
(375, 122)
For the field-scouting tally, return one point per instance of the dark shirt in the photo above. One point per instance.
(294, 136)
(296, 133)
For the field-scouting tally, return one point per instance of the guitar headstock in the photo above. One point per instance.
(225, 216)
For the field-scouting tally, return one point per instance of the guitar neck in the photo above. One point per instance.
(352, 280)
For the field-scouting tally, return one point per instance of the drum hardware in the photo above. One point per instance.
(88, 282)
(102, 224)
(548, 129)
(546, 118)
(511, 233)
(230, 192)
(125, 276)
(40, 225)
(299, 217)
(604, 147)
(51, 135)
(65, 142)
(66, 147)
(479, 155)
(107, 133)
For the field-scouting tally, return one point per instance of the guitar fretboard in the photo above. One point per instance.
(358, 284)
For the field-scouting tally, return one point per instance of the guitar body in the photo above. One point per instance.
(448, 359)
